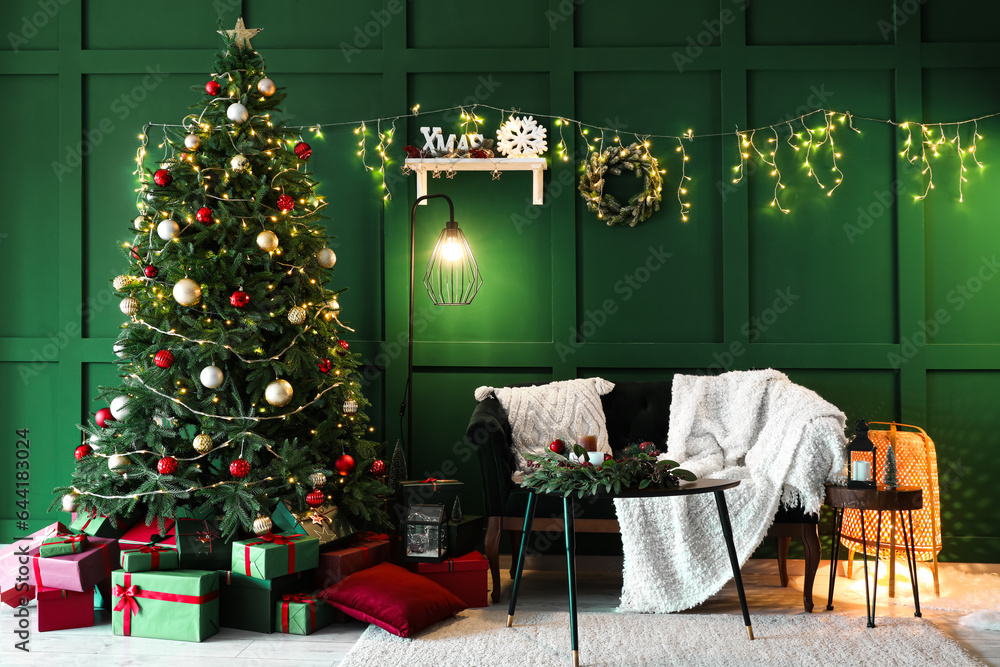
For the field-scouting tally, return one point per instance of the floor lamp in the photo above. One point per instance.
(452, 278)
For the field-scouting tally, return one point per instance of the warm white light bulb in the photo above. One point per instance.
(452, 250)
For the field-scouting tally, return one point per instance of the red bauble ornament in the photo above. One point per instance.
(213, 87)
(285, 203)
(345, 464)
(167, 465)
(239, 468)
(103, 417)
(558, 446)
(646, 446)
(135, 253)
(315, 498)
(239, 298)
(162, 177)
(82, 452)
(324, 365)
(344, 344)
(151, 271)
(378, 467)
(303, 150)
(204, 215)
(164, 359)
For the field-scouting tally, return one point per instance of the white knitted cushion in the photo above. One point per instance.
(538, 415)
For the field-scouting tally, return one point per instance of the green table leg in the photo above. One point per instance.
(569, 526)
(838, 521)
(529, 517)
(727, 532)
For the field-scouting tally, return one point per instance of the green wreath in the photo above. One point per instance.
(634, 158)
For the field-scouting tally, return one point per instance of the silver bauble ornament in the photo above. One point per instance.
(237, 113)
(267, 240)
(192, 142)
(187, 292)
(119, 407)
(69, 501)
(317, 479)
(129, 306)
(202, 443)
(118, 462)
(239, 163)
(212, 376)
(262, 525)
(278, 393)
(297, 315)
(266, 87)
(326, 258)
(167, 229)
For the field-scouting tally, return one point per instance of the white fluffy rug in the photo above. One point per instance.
(538, 639)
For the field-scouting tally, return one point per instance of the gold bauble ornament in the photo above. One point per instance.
(267, 240)
(187, 292)
(118, 462)
(297, 315)
(317, 479)
(262, 524)
(266, 87)
(278, 393)
(350, 407)
(202, 443)
(129, 306)
(69, 501)
(326, 258)
(121, 283)
(330, 310)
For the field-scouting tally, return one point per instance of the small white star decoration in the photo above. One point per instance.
(495, 174)
(241, 35)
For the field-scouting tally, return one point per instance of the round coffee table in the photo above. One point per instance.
(716, 486)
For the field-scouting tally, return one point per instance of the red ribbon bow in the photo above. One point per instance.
(302, 598)
(298, 597)
(127, 595)
(151, 549)
(75, 540)
(271, 538)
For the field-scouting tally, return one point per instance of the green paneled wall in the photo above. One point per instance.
(837, 292)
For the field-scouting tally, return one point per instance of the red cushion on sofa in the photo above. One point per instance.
(394, 599)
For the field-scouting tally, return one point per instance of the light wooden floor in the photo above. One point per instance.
(542, 590)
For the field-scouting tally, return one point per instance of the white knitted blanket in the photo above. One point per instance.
(540, 414)
(781, 440)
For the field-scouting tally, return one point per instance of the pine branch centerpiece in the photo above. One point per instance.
(637, 468)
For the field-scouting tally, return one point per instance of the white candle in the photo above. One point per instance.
(861, 471)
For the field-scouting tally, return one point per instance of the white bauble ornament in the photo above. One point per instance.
(326, 258)
(119, 349)
(202, 443)
(94, 442)
(267, 240)
(119, 407)
(297, 315)
(121, 282)
(278, 393)
(317, 479)
(192, 142)
(129, 306)
(212, 376)
(239, 163)
(167, 229)
(140, 222)
(266, 87)
(69, 501)
(187, 292)
(118, 462)
(237, 113)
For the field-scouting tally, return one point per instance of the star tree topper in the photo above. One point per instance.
(241, 35)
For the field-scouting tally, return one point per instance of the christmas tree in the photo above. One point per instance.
(238, 390)
(889, 477)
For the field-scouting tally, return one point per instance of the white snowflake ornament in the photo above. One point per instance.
(521, 137)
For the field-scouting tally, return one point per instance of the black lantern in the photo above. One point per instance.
(424, 533)
(861, 459)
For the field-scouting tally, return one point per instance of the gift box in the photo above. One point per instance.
(61, 544)
(269, 555)
(143, 533)
(284, 521)
(326, 523)
(345, 561)
(75, 572)
(178, 604)
(97, 525)
(246, 603)
(200, 544)
(14, 556)
(465, 576)
(148, 557)
(60, 609)
(18, 595)
(301, 614)
(466, 535)
(432, 492)
(102, 595)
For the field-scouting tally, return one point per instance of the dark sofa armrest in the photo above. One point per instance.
(489, 434)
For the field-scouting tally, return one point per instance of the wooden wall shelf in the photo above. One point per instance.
(536, 165)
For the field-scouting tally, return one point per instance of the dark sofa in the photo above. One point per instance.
(635, 412)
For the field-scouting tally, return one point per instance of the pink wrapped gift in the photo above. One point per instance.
(15, 556)
(75, 572)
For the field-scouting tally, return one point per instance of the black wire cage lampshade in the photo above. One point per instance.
(452, 277)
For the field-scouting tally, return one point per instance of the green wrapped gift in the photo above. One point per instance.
(283, 520)
(103, 526)
(301, 614)
(149, 557)
(269, 555)
(200, 544)
(179, 604)
(246, 603)
(61, 544)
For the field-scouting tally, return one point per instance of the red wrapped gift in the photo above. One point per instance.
(360, 555)
(60, 609)
(75, 572)
(144, 533)
(18, 595)
(15, 556)
(464, 576)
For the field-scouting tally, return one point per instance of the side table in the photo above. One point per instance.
(879, 499)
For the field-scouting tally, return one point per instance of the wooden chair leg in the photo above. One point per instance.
(783, 543)
(810, 541)
(492, 546)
